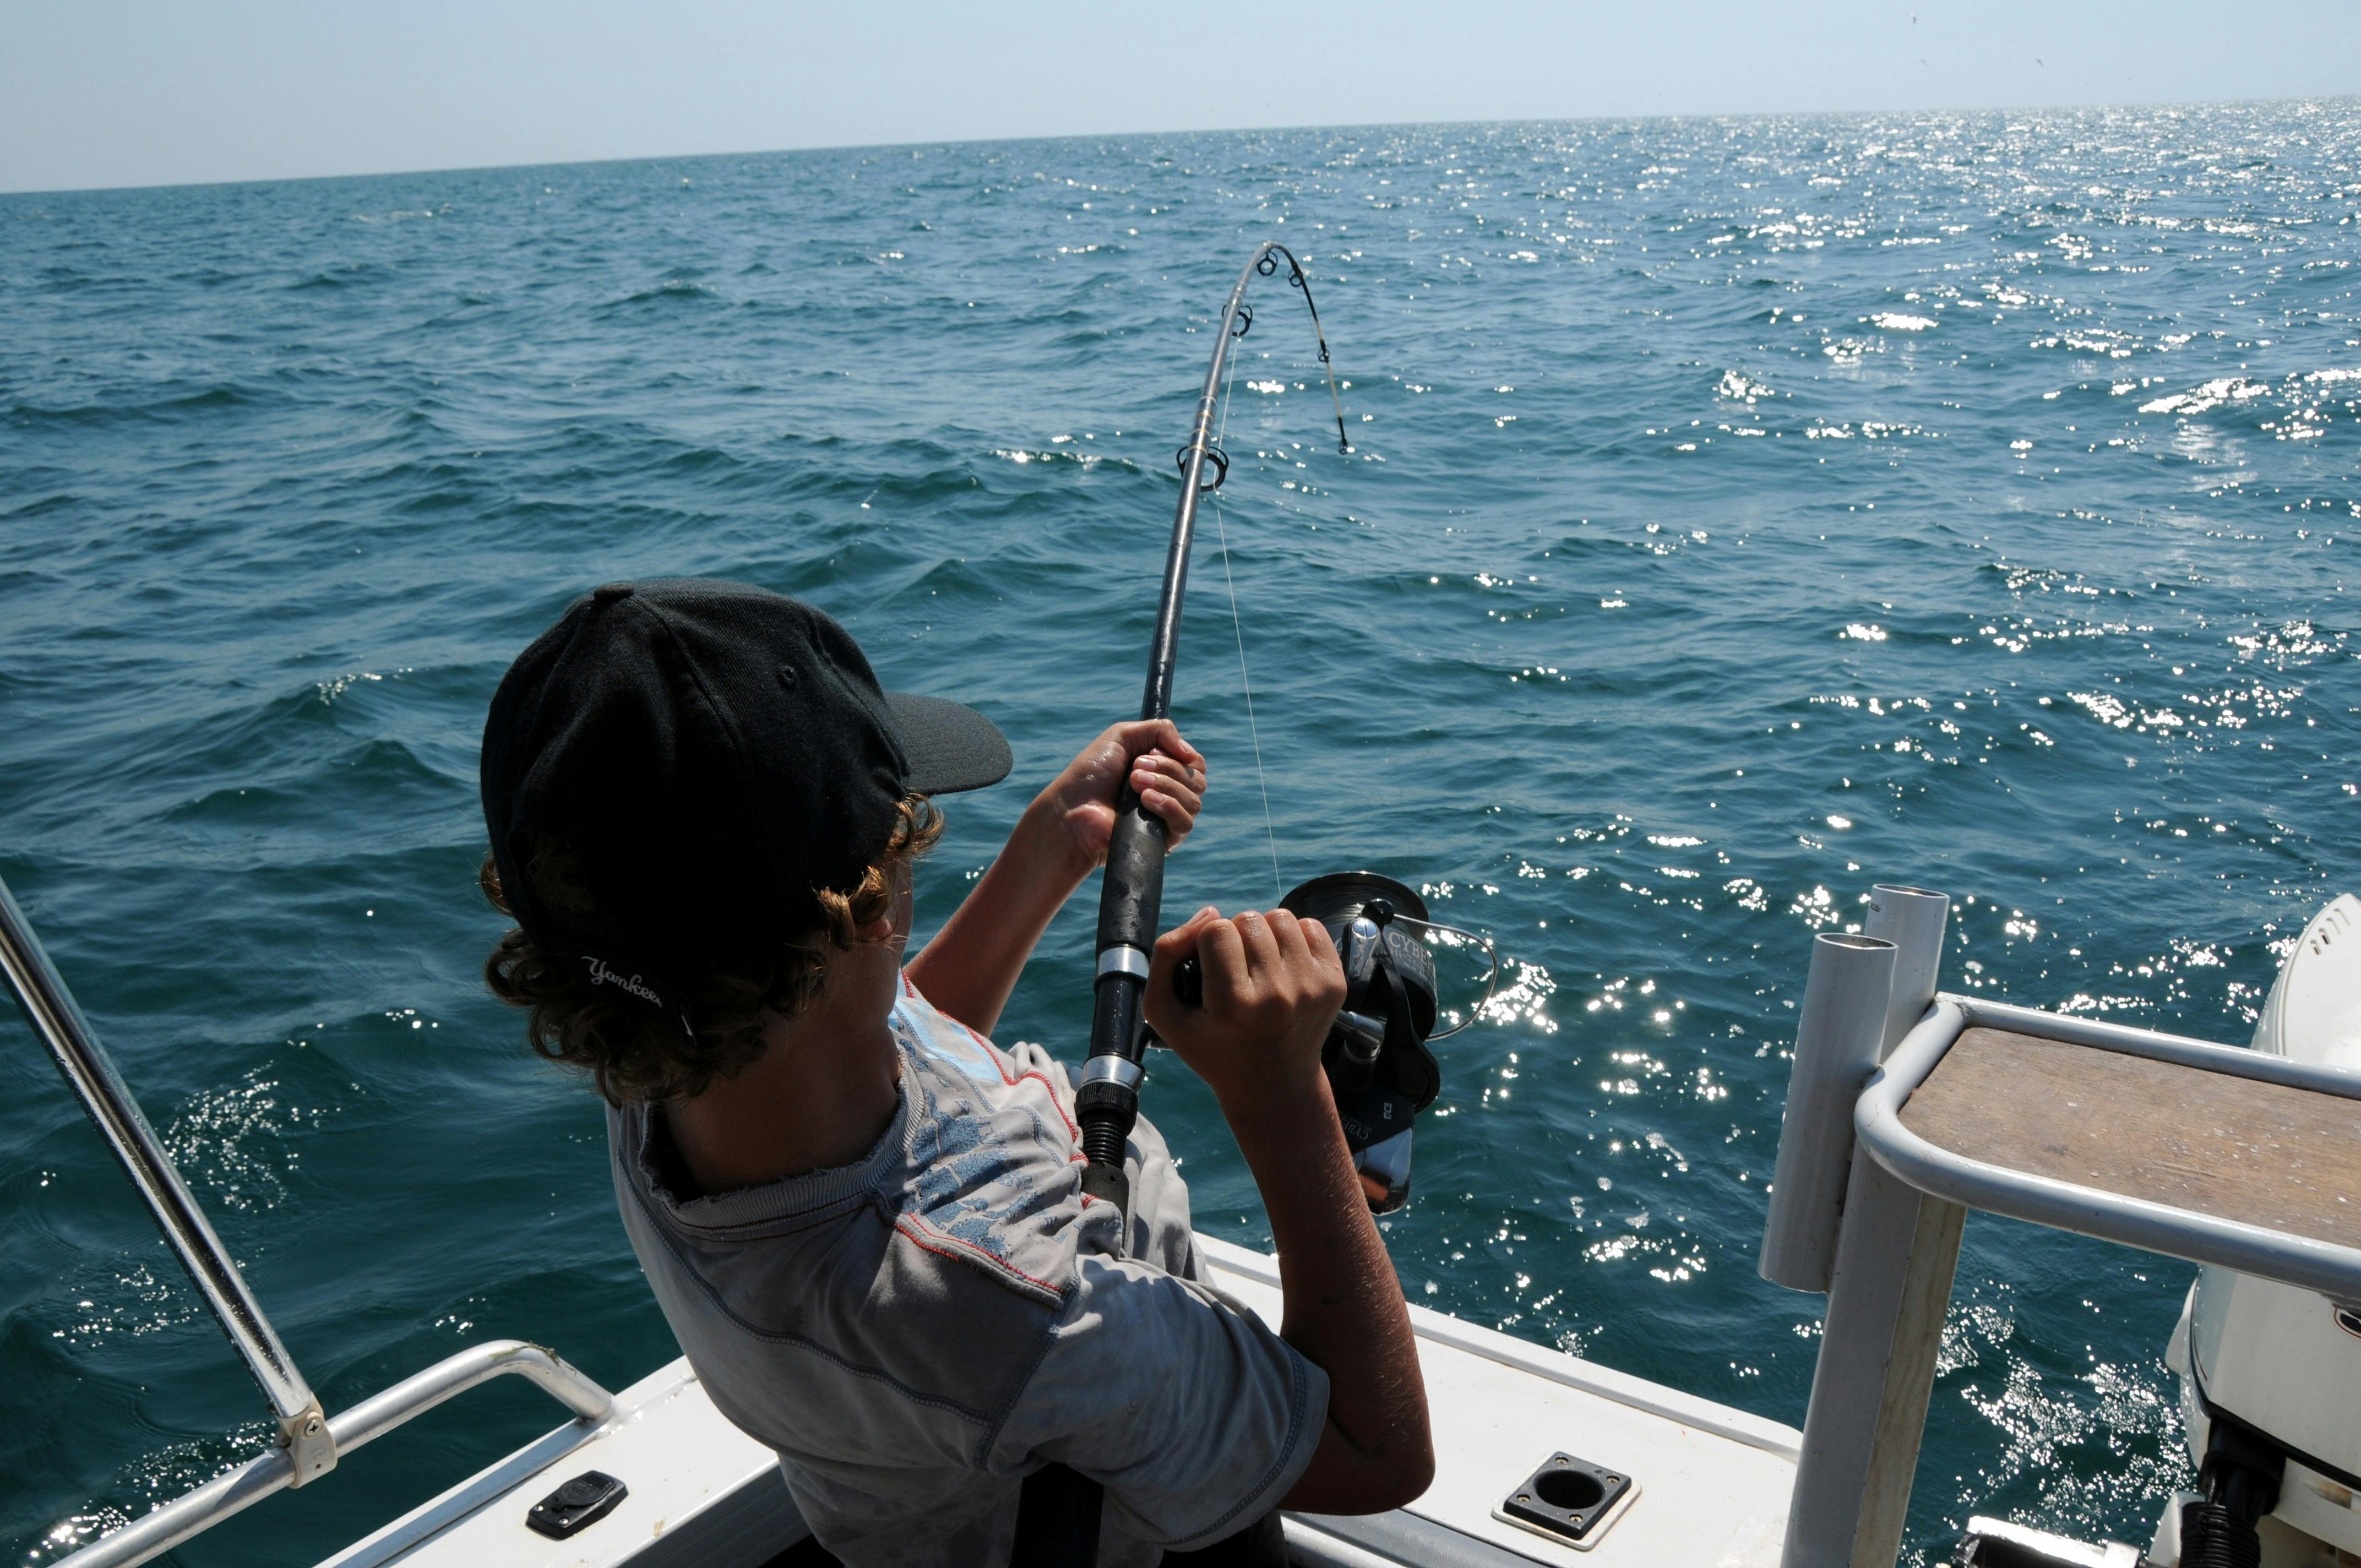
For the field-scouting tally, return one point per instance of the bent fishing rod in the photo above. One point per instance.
(1107, 1101)
(1058, 1509)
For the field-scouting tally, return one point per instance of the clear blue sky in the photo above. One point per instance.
(166, 92)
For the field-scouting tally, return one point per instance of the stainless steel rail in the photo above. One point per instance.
(50, 1008)
(155, 1533)
(308, 1441)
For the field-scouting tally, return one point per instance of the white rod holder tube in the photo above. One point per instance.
(1913, 919)
(1891, 1292)
(1888, 1296)
(1837, 1039)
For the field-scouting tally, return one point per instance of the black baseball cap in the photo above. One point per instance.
(707, 754)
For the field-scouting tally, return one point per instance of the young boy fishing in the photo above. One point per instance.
(863, 1219)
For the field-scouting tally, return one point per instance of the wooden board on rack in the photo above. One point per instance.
(2263, 1154)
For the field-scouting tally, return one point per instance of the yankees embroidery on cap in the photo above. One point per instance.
(600, 974)
(604, 973)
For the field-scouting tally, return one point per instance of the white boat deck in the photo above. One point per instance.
(1712, 1482)
(695, 1481)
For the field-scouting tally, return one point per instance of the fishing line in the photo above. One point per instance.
(1237, 628)
(1267, 264)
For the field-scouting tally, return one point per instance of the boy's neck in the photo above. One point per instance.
(820, 1096)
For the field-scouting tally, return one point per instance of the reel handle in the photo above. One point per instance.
(1189, 982)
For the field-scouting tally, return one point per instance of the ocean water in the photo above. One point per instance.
(1741, 511)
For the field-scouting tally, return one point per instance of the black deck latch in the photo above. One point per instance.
(580, 1503)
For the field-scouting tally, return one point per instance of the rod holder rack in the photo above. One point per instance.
(1908, 1107)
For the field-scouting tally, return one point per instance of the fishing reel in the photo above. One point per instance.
(1380, 1068)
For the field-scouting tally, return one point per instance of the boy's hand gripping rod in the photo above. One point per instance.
(1058, 1509)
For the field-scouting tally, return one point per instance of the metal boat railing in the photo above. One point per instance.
(50, 1009)
(1867, 1211)
(192, 1512)
(308, 1442)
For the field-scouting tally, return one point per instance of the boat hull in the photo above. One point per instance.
(1711, 1482)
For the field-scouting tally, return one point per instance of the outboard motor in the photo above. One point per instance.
(2270, 1390)
(2270, 1397)
(2240, 1484)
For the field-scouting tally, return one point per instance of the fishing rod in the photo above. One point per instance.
(1107, 1101)
(1376, 1058)
(1058, 1509)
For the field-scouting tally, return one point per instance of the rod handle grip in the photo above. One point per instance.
(1132, 895)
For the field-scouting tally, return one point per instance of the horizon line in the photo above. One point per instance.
(1208, 130)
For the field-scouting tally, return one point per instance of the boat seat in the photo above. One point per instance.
(2270, 1155)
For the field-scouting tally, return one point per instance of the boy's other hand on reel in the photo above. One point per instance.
(1272, 985)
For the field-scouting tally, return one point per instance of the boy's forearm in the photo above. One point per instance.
(971, 964)
(1344, 1309)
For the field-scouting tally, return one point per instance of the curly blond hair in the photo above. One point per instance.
(632, 1055)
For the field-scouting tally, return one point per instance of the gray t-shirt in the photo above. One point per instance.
(918, 1332)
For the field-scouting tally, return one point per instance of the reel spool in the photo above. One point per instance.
(1378, 1066)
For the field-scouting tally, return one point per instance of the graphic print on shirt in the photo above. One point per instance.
(992, 1154)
